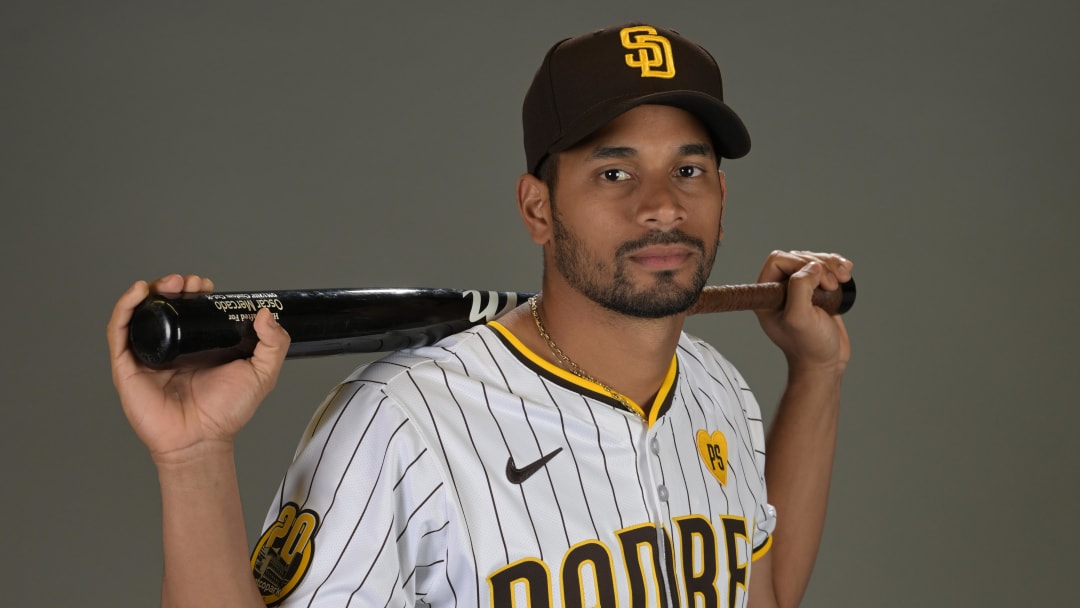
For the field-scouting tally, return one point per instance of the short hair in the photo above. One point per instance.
(548, 172)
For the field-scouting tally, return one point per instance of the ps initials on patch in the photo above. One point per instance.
(653, 56)
(283, 553)
(714, 453)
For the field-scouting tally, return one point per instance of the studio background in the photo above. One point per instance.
(283, 145)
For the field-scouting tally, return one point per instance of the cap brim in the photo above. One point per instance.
(730, 137)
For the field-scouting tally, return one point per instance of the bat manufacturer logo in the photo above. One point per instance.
(485, 304)
(653, 56)
(282, 555)
(714, 453)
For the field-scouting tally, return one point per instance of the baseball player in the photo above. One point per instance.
(581, 451)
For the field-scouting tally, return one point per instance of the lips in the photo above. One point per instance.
(662, 250)
(662, 257)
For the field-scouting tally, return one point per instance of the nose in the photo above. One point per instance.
(660, 207)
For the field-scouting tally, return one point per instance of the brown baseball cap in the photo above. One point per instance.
(588, 80)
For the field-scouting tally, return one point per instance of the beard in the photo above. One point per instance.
(664, 297)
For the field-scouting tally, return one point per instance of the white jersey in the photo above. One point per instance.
(474, 473)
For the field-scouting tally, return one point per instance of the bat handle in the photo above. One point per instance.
(769, 296)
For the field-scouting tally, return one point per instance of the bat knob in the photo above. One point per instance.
(154, 333)
(847, 296)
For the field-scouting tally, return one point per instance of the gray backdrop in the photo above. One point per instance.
(278, 145)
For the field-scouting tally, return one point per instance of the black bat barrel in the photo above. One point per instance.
(202, 330)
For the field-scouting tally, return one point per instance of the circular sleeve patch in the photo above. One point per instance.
(282, 555)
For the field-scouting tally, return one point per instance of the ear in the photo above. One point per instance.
(533, 204)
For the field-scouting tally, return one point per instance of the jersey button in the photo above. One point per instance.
(655, 445)
(662, 493)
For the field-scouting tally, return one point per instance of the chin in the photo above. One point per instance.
(664, 298)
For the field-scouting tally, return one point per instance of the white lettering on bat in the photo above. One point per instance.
(485, 305)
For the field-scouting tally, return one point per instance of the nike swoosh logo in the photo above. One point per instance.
(516, 475)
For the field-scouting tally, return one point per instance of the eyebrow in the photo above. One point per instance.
(606, 152)
(696, 150)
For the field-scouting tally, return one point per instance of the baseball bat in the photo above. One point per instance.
(207, 329)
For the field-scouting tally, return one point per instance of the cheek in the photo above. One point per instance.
(716, 212)
(592, 246)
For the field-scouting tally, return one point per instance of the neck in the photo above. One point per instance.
(629, 354)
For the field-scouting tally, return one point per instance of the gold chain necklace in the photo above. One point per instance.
(569, 364)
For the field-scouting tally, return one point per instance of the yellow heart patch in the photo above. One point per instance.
(713, 450)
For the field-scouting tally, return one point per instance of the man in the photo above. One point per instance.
(580, 451)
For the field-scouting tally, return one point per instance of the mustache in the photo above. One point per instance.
(661, 237)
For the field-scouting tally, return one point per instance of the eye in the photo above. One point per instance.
(614, 175)
(689, 171)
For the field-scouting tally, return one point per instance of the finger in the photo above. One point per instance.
(271, 349)
(176, 283)
(170, 283)
(835, 265)
(193, 283)
(781, 264)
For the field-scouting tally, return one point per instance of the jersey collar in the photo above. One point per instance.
(593, 390)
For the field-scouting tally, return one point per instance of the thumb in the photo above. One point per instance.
(800, 290)
(271, 349)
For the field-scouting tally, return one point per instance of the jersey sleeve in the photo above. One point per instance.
(360, 518)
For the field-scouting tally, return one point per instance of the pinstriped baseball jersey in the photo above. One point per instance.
(474, 473)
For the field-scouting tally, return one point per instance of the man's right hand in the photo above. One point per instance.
(178, 412)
